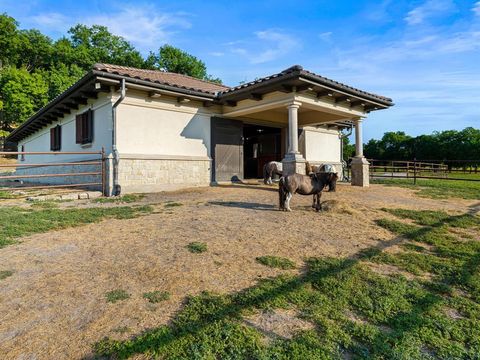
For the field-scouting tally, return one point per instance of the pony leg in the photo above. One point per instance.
(289, 197)
(314, 200)
(319, 204)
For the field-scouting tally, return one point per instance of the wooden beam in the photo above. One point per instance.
(90, 94)
(231, 103)
(357, 103)
(301, 88)
(99, 87)
(154, 94)
(182, 99)
(71, 106)
(256, 96)
(81, 100)
(323, 93)
(286, 88)
(343, 98)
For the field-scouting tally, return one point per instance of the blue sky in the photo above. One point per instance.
(423, 54)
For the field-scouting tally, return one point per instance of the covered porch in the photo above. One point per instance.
(296, 102)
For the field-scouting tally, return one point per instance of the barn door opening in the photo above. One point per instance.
(262, 145)
(227, 149)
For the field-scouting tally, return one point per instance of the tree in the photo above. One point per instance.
(22, 94)
(348, 149)
(178, 61)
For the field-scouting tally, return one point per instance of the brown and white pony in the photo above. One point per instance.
(328, 168)
(312, 184)
(270, 168)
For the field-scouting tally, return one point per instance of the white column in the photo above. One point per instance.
(293, 127)
(358, 138)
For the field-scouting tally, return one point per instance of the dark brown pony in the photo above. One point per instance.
(270, 168)
(312, 184)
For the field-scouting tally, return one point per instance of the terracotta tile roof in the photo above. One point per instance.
(163, 77)
(298, 70)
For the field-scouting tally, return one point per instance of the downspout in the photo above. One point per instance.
(116, 158)
(342, 136)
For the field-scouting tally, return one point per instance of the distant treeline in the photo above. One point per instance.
(441, 145)
(34, 68)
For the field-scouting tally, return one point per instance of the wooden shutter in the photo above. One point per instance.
(89, 127)
(59, 137)
(52, 139)
(78, 129)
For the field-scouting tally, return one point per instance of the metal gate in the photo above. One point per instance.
(39, 175)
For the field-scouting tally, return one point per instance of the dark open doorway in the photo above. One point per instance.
(261, 145)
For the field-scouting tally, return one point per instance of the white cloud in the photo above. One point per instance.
(144, 26)
(217, 53)
(429, 9)
(268, 45)
(326, 36)
(476, 8)
(53, 21)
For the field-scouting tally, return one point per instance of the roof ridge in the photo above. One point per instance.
(97, 66)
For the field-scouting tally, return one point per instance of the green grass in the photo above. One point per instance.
(16, 222)
(5, 273)
(276, 262)
(172, 204)
(438, 189)
(197, 247)
(116, 295)
(4, 195)
(400, 318)
(156, 296)
(128, 198)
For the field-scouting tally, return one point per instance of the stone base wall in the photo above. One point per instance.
(151, 175)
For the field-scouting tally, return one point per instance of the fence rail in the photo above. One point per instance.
(415, 170)
(100, 162)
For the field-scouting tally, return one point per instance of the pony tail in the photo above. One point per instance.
(281, 193)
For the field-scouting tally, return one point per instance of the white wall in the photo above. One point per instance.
(322, 145)
(40, 141)
(162, 127)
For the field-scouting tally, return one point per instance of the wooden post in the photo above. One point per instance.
(414, 171)
(104, 190)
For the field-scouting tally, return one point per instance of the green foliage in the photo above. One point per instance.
(357, 313)
(178, 61)
(172, 204)
(16, 222)
(156, 296)
(449, 145)
(438, 189)
(34, 69)
(276, 262)
(197, 247)
(116, 295)
(5, 273)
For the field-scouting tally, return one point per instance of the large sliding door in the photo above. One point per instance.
(227, 149)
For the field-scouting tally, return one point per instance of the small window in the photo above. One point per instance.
(22, 156)
(56, 138)
(84, 127)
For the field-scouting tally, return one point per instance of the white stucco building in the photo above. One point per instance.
(164, 131)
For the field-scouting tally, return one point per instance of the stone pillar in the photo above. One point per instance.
(293, 161)
(360, 165)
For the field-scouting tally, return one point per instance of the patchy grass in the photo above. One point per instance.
(5, 273)
(197, 247)
(45, 204)
(172, 204)
(400, 318)
(156, 296)
(438, 189)
(116, 295)
(16, 222)
(4, 195)
(276, 262)
(128, 198)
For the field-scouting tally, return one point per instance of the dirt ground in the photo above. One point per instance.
(54, 307)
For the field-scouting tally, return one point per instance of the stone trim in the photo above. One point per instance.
(164, 157)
